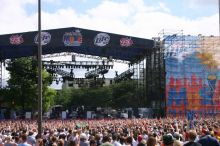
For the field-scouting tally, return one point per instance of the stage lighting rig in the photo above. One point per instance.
(65, 74)
(124, 76)
(95, 73)
(78, 64)
(56, 68)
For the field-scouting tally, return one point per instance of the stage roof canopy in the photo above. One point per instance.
(78, 40)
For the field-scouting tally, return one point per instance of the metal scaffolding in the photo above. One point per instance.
(139, 76)
(155, 79)
(141, 80)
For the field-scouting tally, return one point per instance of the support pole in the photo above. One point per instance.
(219, 16)
(39, 72)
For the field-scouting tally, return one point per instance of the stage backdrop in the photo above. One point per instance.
(192, 76)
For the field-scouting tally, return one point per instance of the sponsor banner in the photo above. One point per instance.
(126, 42)
(101, 39)
(16, 39)
(73, 38)
(45, 38)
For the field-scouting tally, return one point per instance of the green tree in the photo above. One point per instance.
(84, 96)
(5, 102)
(63, 97)
(125, 94)
(23, 84)
(101, 96)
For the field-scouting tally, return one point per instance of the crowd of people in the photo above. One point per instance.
(117, 132)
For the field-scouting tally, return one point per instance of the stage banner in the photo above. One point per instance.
(77, 40)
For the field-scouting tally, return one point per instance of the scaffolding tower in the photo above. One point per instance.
(139, 76)
(141, 80)
(155, 79)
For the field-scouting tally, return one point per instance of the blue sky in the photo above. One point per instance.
(182, 8)
(129, 17)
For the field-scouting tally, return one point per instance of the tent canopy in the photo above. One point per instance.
(76, 40)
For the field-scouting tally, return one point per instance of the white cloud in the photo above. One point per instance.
(130, 18)
(84, 1)
(164, 7)
(52, 1)
(14, 18)
(197, 3)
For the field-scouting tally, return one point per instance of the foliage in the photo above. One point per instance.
(4, 92)
(22, 85)
(124, 94)
(63, 97)
(119, 95)
(83, 96)
(48, 99)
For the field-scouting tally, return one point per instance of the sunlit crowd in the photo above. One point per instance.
(117, 132)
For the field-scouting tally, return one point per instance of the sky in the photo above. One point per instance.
(139, 18)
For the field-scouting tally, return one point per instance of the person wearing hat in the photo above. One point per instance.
(168, 140)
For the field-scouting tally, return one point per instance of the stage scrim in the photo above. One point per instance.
(192, 75)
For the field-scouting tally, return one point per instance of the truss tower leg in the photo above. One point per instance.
(1, 74)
